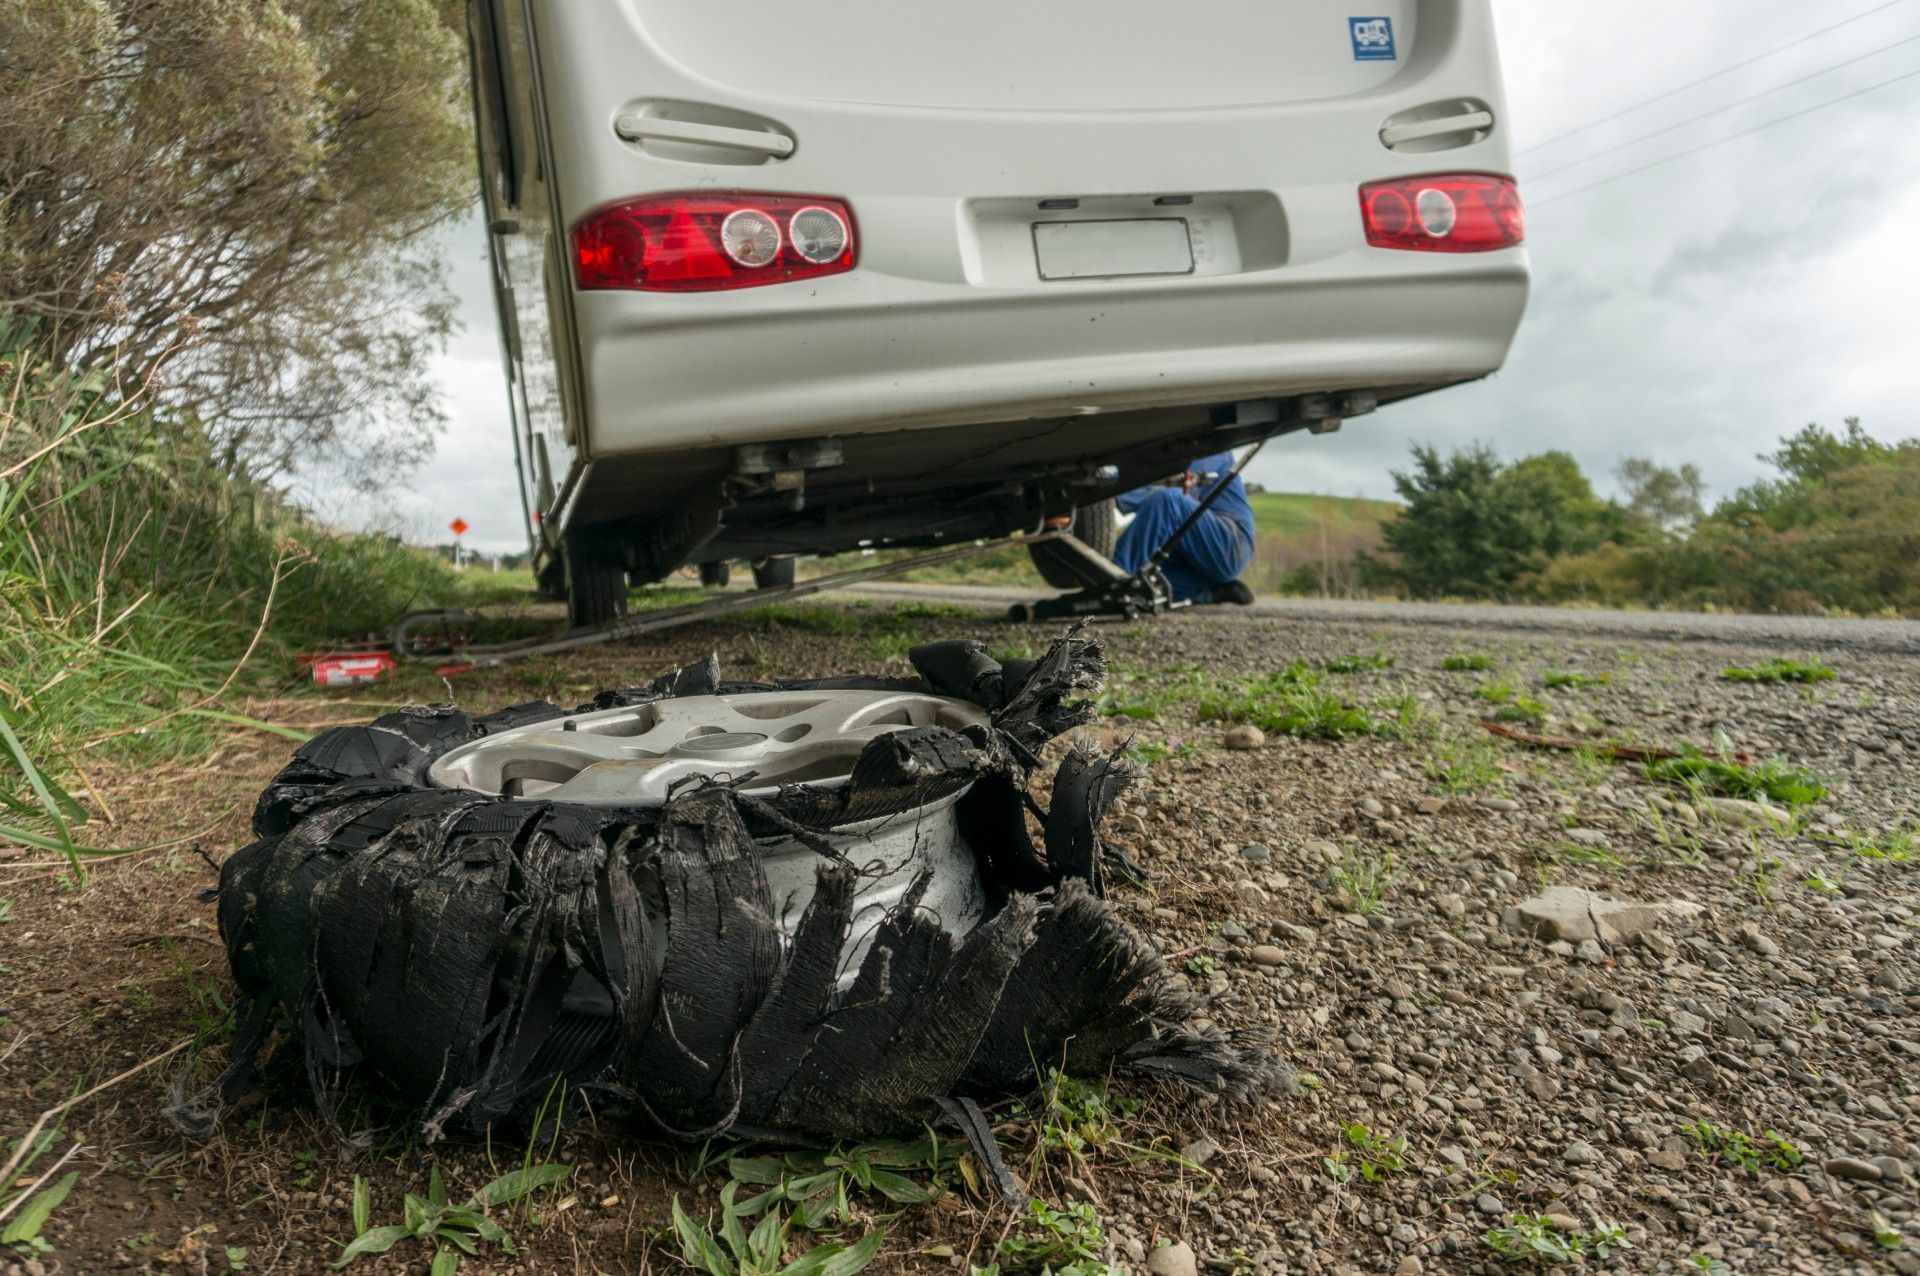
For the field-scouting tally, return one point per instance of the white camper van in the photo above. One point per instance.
(786, 277)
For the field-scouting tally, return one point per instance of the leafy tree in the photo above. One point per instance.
(1806, 461)
(224, 200)
(1475, 525)
(1664, 499)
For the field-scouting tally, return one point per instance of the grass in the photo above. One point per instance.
(1359, 662)
(1588, 856)
(1522, 709)
(1740, 1150)
(1780, 669)
(1288, 702)
(1373, 1157)
(1894, 846)
(139, 584)
(1150, 753)
(1302, 543)
(1772, 780)
(1532, 1239)
(1467, 662)
(1495, 691)
(1363, 877)
(1057, 1242)
(1406, 718)
(1561, 680)
(449, 1230)
(809, 1192)
(1464, 765)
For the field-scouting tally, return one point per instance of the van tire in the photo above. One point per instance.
(776, 572)
(596, 581)
(1095, 526)
(716, 575)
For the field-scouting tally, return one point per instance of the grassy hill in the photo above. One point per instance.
(1307, 542)
(1306, 545)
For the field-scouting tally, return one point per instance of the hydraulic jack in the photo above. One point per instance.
(1108, 590)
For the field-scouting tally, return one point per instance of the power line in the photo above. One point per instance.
(1719, 141)
(1706, 79)
(1719, 110)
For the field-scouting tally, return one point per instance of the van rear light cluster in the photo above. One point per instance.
(706, 241)
(1456, 213)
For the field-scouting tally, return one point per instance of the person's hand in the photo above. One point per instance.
(1186, 483)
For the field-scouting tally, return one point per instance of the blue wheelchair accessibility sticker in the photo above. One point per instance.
(1372, 39)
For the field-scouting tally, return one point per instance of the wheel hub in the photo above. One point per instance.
(635, 756)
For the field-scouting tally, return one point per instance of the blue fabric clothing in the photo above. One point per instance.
(1215, 551)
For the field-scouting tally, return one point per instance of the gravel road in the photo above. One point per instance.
(1804, 632)
(1711, 1064)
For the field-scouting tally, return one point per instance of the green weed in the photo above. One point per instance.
(1523, 709)
(1557, 680)
(1743, 1151)
(1372, 1156)
(1896, 846)
(1289, 703)
(1495, 691)
(1150, 753)
(1359, 662)
(450, 1230)
(1463, 765)
(1467, 662)
(1406, 718)
(1772, 780)
(822, 1185)
(1780, 669)
(1533, 1239)
(734, 1251)
(1055, 1242)
(1590, 856)
(1363, 877)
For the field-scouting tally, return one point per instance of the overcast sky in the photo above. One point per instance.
(1693, 312)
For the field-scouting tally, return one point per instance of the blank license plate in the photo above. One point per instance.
(1110, 249)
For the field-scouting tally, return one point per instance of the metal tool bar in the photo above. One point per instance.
(406, 647)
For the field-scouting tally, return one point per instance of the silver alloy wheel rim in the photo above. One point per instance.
(634, 756)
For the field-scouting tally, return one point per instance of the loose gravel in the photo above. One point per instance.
(1729, 1075)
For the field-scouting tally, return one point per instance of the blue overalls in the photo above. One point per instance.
(1217, 548)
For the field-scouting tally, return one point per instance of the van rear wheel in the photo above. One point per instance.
(776, 572)
(716, 575)
(1094, 526)
(596, 580)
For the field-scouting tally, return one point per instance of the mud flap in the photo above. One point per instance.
(470, 955)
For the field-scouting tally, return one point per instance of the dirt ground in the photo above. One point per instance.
(1734, 1090)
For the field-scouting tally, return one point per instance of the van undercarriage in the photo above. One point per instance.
(906, 488)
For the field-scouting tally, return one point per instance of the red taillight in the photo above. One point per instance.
(1455, 213)
(706, 241)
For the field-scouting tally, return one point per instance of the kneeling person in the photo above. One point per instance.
(1205, 566)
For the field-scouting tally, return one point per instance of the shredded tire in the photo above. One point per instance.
(470, 956)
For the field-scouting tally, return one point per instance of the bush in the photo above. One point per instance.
(138, 580)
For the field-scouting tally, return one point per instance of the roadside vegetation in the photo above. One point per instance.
(217, 275)
(141, 583)
(1836, 529)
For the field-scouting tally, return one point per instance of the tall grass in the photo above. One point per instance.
(139, 585)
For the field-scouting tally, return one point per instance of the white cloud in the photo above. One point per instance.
(1699, 310)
